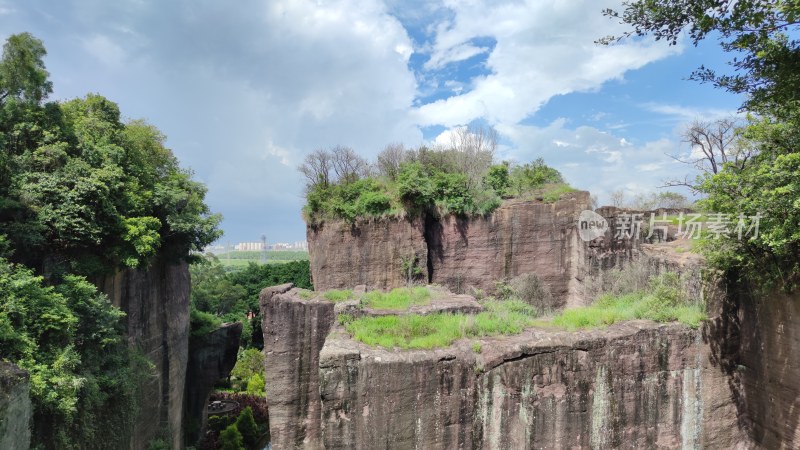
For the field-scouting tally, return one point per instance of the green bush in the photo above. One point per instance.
(201, 323)
(231, 439)
(437, 182)
(246, 425)
(255, 384)
(249, 363)
(662, 301)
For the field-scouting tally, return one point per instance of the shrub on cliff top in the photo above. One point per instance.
(662, 301)
(459, 179)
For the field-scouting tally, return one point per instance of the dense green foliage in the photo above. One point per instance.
(762, 38)
(82, 193)
(69, 338)
(663, 301)
(250, 421)
(249, 365)
(231, 439)
(414, 331)
(80, 190)
(423, 181)
(232, 296)
(246, 425)
(760, 34)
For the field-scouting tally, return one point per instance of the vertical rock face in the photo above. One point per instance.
(15, 408)
(637, 385)
(634, 385)
(369, 252)
(764, 365)
(211, 357)
(519, 237)
(294, 333)
(156, 302)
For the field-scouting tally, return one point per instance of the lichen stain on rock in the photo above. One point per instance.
(600, 410)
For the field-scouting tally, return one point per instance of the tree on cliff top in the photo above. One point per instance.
(82, 191)
(457, 178)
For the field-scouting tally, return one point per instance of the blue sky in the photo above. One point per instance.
(245, 90)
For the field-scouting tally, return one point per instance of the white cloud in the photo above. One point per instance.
(105, 50)
(689, 113)
(596, 160)
(542, 49)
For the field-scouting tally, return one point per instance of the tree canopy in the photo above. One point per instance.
(459, 178)
(82, 193)
(766, 68)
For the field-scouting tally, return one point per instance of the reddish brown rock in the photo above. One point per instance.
(370, 252)
(519, 237)
(635, 385)
(294, 333)
(764, 364)
(460, 253)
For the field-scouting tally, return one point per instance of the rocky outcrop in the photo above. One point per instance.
(519, 237)
(371, 252)
(156, 303)
(758, 339)
(294, 333)
(211, 358)
(635, 385)
(15, 408)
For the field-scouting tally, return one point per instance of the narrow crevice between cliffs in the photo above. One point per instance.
(433, 242)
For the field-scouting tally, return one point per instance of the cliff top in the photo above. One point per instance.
(460, 180)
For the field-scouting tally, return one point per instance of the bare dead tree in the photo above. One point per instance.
(390, 159)
(618, 198)
(347, 165)
(317, 168)
(713, 145)
(474, 151)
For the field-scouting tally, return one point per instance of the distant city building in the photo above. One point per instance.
(298, 245)
(249, 246)
(257, 247)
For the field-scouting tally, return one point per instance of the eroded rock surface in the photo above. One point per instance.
(15, 408)
(294, 333)
(633, 385)
(519, 237)
(156, 303)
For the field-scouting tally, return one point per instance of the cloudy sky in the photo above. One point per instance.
(244, 90)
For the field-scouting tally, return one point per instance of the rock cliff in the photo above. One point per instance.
(294, 333)
(156, 301)
(637, 384)
(211, 357)
(519, 237)
(759, 340)
(15, 408)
